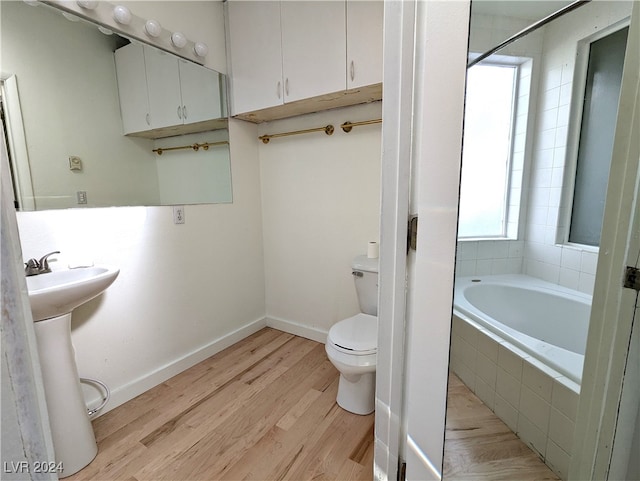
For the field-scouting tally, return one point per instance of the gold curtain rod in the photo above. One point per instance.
(194, 147)
(347, 126)
(327, 130)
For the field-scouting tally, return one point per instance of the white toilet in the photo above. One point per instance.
(353, 342)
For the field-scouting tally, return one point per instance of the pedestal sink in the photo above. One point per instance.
(53, 296)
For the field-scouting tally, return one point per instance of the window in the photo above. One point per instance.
(487, 150)
(599, 114)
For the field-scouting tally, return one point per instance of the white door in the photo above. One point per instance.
(364, 42)
(607, 417)
(422, 138)
(441, 33)
(433, 127)
(200, 89)
(132, 88)
(255, 55)
(313, 48)
(163, 83)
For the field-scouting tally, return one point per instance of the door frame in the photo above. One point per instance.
(397, 112)
(418, 34)
(597, 416)
(613, 306)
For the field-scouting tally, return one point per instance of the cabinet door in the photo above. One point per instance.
(256, 55)
(364, 42)
(313, 48)
(163, 83)
(200, 93)
(132, 88)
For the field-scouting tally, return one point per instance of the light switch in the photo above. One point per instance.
(75, 163)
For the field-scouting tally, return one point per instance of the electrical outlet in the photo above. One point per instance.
(81, 196)
(178, 214)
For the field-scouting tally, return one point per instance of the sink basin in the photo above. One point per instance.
(59, 292)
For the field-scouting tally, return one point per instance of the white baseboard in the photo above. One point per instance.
(122, 394)
(301, 330)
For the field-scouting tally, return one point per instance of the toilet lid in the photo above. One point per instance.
(356, 335)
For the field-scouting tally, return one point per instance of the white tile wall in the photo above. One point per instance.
(537, 403)
(540, 252)
(487, 257)
(569, 266)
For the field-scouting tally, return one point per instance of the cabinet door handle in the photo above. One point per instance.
(352, 71)
(278, 88)
(148, 119)
(286, 87)
(184, 111)
(179, 112)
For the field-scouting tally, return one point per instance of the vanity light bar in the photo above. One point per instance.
(119, 19)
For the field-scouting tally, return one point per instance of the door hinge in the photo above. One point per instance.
(412, 233)
(402, 470)
(632, 278)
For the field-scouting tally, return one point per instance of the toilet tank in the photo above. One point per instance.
(365, 275)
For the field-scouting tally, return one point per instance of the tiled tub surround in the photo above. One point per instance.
(537, 402)
(541, 249)
(570, 266)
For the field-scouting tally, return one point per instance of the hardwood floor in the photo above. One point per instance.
(263, 409)
(478, 445)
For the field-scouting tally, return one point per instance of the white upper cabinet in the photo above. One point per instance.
(200, 88)
(256, 54)
(163, 82)
(160, 93)
(132, 89)
(284, 52)
(313, 48)
(364, 42)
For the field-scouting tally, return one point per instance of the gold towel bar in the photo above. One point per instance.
(327, 130)
(347, 126)
(194, 147)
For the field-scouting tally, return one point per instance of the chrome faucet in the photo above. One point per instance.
(33, 267)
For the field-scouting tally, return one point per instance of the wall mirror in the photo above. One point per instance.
(62, 113)
(528, 111)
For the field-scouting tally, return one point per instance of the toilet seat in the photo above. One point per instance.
(356, 336)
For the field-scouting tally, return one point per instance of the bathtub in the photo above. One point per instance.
(518, 344)
(547, 321)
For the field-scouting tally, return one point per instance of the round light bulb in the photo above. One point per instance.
(153, 28)
(122, 14)
(201, 49)
(178, 40)
(88, 4)
(105, 30)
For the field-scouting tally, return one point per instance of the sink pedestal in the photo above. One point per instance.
(74, 442)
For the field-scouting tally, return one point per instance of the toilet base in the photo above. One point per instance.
(357, 394)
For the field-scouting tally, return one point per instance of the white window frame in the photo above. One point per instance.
(573, 136)
(520, 132)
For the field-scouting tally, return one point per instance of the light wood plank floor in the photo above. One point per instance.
(478, 445)
(263, 409)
